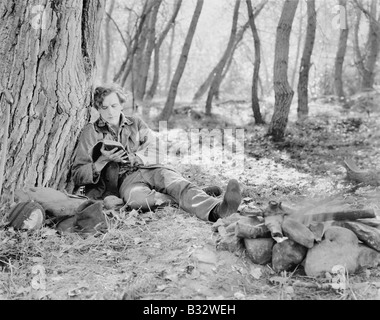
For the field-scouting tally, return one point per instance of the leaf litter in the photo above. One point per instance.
(125, 263)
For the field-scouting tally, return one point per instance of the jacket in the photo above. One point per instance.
(134, 134)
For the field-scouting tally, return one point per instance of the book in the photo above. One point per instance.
(108, 145)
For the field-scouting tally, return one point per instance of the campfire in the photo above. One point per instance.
(285, 238)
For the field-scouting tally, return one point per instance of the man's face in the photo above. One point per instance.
(111, 109)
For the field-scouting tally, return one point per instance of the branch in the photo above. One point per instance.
(118, 29)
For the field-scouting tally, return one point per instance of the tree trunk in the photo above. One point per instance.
(108, 43)
(218, 73)
(146, 54)
(340, 56)
(48, 65)
(256, 72)
(283, 91)
(170, 60)
(303, 83)
(169, 105)
(156, 75)
(299, 40)
(366, 64)
(373, 46)
(206, 84)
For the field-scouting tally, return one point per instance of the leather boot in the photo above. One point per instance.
(230, 204)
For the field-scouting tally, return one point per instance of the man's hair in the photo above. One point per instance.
(104, 91)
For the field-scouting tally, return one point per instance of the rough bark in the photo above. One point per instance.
(156, 74)
(256, 72)
(366, 63)
(283, 92)
(303, 83)
(49, 71)
(169, 105)
(340, 55)
(218, 74)
(108, 42)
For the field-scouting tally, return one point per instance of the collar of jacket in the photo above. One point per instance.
(124, 121)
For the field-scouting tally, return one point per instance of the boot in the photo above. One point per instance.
(213, 191)
(230, 204)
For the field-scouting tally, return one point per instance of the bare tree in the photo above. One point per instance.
(218, 73)
(283, 92)
(341, 53)
(108, 42)
(169, 105)
(227, 56)
(157, 48)
(47, 62)
(256, 72)
(303, 83)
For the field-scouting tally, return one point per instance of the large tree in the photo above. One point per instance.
(283, 92)
(47, 62)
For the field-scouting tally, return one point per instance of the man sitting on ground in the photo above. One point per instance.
(136, 175)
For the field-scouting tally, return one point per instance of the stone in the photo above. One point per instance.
(287, 255)
(339, 247)
(368, 235)
(340, 235)
(251, 228)
(298, 232)
(230, 242)
(112, 202)
(259, 250)
(368, 258)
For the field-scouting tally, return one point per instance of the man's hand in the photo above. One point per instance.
(110, 156)
(135, 160)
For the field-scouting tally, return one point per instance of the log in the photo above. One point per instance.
(298, 232)
(375, 223)
(274, 224)
(339, 215)
(318, 229)
(365, 177)
(368, 235)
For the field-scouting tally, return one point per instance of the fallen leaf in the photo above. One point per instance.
(256, 273)
(39, 281)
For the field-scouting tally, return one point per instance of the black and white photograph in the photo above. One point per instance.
(190, 156)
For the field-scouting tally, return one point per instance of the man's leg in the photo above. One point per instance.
(190, 198)
(139, 195)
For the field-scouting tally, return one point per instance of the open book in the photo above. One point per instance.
(108, 145)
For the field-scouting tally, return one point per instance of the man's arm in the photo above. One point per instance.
(84, 170)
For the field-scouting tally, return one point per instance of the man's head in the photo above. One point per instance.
(109, 102)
